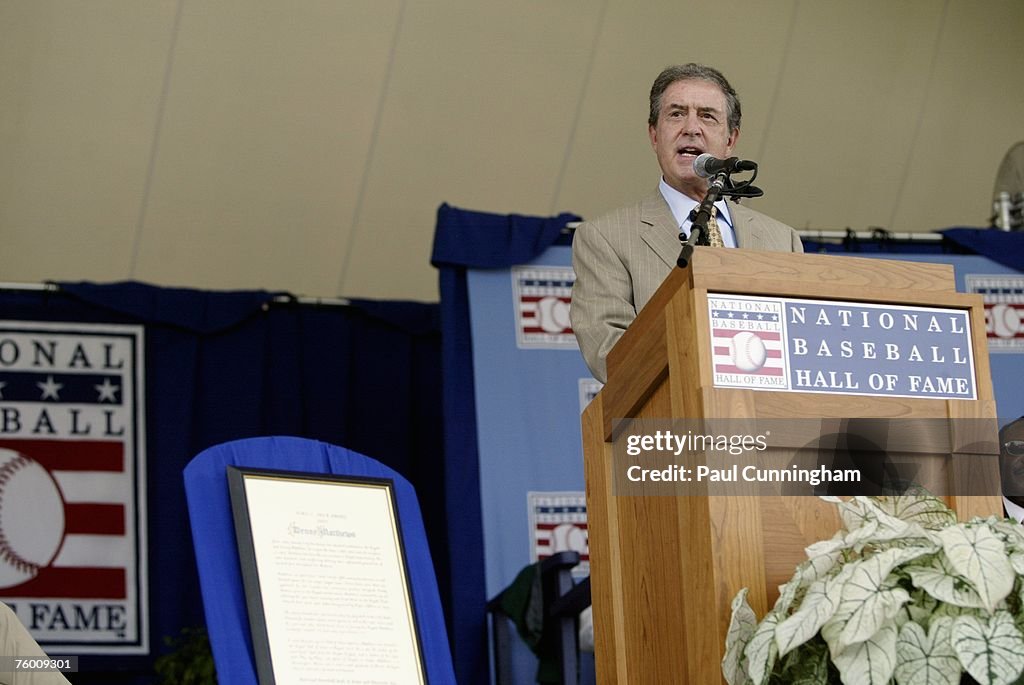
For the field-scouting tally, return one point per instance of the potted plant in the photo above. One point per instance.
(190, 662)
(903, 593)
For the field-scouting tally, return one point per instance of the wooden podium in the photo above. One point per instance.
(665, 569)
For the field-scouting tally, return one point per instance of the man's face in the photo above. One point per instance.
(1011, 462)
(691, 121)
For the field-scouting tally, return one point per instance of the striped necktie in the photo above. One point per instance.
(714, 233)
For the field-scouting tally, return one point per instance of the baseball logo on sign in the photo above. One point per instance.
(1004, 309)
(31, 518)
(541, 299)
(746, 342)
(1005, 320)
(748, 351)
(569, 536)
(553, 315)
(558, 523)
(73, 545)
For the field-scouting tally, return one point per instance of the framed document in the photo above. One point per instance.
(326, 582)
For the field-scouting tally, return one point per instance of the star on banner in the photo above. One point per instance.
(50, 388)
(107, 391)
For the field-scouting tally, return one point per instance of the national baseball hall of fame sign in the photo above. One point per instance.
(831, 346)
(72, 485)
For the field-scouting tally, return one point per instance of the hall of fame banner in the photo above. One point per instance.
(541, 299)
(558, 523)
(72, 485)
(1003, 296)
(831, 346)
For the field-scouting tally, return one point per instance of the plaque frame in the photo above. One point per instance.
(251, 545)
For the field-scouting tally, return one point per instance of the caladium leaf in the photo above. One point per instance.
(977, 554)
(870, 662)
(1012, 534)
(869, 523)
(874, 609)
(942, 582)
(926, 659)
(741, 628)
(857, 512)
(1017, 562)
(992, 651)
(761, 652)
(869, 600)
(825, 547)
(817, 567)
(926, 511)
(787, 595)
(818, 606)
(880, 527)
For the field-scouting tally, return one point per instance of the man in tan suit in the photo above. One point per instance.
(15, 641)
(621, 258)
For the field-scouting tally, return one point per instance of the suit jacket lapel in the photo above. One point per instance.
(659, 230)
(748, 234)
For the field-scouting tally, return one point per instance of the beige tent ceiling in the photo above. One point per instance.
(306, 145)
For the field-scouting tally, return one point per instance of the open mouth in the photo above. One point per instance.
(689, 150)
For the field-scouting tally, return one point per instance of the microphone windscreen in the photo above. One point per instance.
(700, 165)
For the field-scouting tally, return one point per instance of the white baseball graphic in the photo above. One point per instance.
(553, 315)
(1005, 320)
(748, 351)
(568, 537)
(31, 518)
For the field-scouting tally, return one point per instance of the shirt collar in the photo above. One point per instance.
(1014, 511)
(681, 205)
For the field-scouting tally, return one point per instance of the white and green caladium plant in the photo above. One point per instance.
(902, 594)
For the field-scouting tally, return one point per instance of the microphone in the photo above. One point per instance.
(707, 165)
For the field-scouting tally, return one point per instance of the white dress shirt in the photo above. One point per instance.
(1013, 511)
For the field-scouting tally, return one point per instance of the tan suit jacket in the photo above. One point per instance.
(621, 258)
(16, 641)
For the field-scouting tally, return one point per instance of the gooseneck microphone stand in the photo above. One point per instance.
(720, 184)
(699, 220)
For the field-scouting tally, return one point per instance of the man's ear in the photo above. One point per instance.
(734, 135)
(652, 133)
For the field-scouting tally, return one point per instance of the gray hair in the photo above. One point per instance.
(695, 72)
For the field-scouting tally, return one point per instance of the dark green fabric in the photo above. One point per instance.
(523, 603)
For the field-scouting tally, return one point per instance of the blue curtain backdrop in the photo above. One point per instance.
(229, 365)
